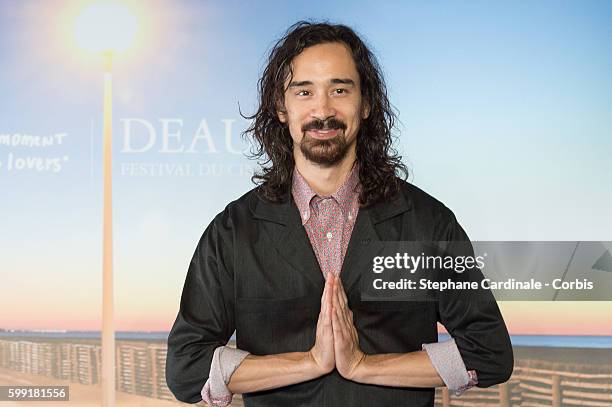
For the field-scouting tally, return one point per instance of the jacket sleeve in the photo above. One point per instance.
(205, 318)
(472, 317)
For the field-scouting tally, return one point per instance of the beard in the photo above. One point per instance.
(326, 152)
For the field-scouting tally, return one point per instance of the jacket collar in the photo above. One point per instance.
(282, 211)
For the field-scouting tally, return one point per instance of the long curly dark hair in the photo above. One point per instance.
(379, 162)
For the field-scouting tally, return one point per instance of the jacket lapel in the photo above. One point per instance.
(368, 237)
(291, 240)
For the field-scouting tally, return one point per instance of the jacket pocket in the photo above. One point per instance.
(395, 305)
(395, 326)
(258, 305)
(269, 326)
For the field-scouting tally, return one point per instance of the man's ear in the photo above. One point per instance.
(365, 110)
(281, 112)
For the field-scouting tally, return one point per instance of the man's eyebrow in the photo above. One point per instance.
(295, 84)
(343, 81)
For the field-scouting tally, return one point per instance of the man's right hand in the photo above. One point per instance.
(322, 353)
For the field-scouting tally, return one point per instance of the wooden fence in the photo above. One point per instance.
(140, 366)
(140, 369)
(540, 384)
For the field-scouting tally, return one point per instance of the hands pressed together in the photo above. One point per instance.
(337, 343)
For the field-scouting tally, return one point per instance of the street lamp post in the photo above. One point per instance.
(107, 27)
(108, 327)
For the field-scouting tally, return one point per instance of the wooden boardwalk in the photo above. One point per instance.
(140, 367)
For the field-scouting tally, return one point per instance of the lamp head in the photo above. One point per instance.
(106, 27)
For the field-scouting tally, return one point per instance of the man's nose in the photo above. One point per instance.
(323, 108)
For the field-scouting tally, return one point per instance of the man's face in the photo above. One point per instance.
(323, 104)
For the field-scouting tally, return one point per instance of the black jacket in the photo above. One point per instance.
(255, 272)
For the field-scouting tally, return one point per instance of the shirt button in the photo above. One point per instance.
(305, 214)
(329, 235)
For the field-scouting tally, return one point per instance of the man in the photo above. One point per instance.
(282, 265)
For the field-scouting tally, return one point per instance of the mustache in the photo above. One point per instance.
(329, 124)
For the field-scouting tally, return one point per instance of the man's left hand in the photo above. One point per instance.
(348, 354)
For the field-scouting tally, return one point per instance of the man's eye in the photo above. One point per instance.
(303, 93)
(340, 91)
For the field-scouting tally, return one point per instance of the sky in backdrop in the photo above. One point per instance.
(505, 115)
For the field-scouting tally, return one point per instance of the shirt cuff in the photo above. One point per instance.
(225, 361)
(447, 361)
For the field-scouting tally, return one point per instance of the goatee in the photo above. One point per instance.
(326, 152)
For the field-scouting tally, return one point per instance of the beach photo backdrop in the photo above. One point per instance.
(505, 115)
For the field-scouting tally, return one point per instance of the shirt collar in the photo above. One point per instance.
(303, 193)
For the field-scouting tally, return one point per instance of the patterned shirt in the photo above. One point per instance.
(328, 220)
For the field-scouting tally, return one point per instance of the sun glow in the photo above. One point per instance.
(106, 26)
